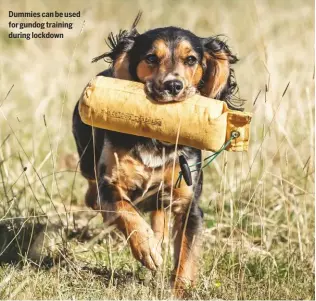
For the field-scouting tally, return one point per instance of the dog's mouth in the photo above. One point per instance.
(162, 96)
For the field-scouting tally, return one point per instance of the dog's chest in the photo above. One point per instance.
(151, 159)
(154, 157)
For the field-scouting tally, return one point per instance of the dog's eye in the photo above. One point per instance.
(152, 59)
(190, 60)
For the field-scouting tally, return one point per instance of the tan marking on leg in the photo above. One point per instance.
(186, 252)
(144, 245)
(124, 177)
(160, 225)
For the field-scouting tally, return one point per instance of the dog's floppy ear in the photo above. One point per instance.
(217, 81)
(120, 45)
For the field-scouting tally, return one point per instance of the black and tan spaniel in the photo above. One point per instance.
(130, 174)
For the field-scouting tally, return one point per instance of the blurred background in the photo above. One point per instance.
(259, 206)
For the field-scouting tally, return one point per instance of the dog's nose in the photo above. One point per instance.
(173, 87)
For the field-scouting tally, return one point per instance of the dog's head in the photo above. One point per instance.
(173, 63)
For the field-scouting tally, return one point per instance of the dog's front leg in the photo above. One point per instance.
(124, 181)
(186, 230)
(159, 224)
(119, 211)
(145, 247)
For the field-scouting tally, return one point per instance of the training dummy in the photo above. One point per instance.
(200, 122)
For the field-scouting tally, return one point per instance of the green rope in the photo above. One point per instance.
(209, 159)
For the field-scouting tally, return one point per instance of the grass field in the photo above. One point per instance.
(258, 238)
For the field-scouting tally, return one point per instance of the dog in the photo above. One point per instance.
(128, 174)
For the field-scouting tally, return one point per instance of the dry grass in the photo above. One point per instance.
(259, 221)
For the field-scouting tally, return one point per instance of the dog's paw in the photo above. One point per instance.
(145, 247)
(181, 285)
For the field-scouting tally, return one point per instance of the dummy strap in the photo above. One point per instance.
(185, 172)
